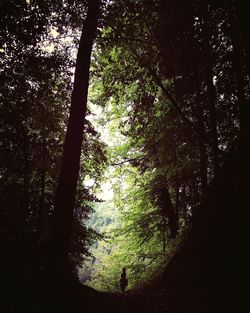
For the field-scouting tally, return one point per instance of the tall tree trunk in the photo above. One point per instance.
(213, 119)
(164, 241)
(66, 189)
(184, 200)
(168, 210)
(211, 92)
(25, 201)
(41, 211)
(202, 147)
(24, 211)
(241, 46)
(177, 194)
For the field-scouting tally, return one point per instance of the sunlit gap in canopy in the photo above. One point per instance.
(101, 270)
(117, 218)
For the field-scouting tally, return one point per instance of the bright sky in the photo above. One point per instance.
(106, 192)
(49, 46)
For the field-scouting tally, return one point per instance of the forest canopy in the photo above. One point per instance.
(144, 99)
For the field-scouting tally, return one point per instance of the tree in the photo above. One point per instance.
(36, 71)
(66, 190)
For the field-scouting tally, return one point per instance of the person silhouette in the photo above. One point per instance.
(123, 280)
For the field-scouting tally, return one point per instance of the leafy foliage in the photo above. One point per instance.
(170, 87)
(166, 74)
(35, 97)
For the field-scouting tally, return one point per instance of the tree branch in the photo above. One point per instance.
(125, 161)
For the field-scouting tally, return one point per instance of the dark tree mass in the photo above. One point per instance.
(124, 132)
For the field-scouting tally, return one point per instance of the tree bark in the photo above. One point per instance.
(241, 48)
(177, 194)
(66, 189)
(211, 92)
(202, 147)
(168, 210)
(41, 211)
(213, 119)
(24, 210)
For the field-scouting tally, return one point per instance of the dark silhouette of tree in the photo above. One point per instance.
(34, 98)
(66, 190)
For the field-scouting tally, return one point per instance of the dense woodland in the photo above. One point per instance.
(150, 98)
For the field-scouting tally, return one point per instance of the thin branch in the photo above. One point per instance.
(125, 161)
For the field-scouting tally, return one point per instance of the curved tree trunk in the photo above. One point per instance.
(66, 189)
